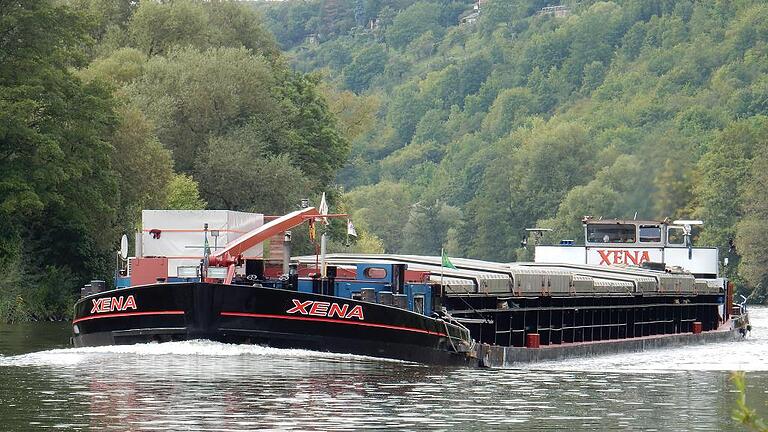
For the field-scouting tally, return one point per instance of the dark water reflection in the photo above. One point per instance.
(208, 386)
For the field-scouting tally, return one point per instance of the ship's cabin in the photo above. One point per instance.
(634, 242)
(614, 232)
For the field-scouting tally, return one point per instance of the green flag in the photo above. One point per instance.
(446, 262)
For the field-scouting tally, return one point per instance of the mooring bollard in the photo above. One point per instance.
(696, 327)
(532, 340)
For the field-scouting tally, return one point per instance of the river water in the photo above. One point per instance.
(200, 385)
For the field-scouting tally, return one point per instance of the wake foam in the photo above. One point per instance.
(200, 348)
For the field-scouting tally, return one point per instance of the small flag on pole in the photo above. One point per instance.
(312, 232)
(323, 208)
(351, 228)
(446, 262)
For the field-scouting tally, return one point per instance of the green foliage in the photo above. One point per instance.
(253, 181)
(138, 152)
(13, 306)
(120, 68)
(365, 66)
(381, 209)
(652, 108)
(182, 193)
(426, 231)
(191, 95)
(417, 19)
(724, 172)
(751, 238)
(742, 413)
(292, 21)
(54, 133)
(355, 115)
(314, 141)
(156, 28)
(195, 85)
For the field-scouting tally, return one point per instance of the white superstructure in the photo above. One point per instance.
(632, 242)
(179, 234)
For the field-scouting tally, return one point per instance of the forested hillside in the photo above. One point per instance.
(110, 107)
(522, 118)
(430, 132)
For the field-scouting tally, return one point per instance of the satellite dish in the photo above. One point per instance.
(124, 247)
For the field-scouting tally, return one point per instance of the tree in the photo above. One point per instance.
(44, 110)
(191, 95)
(722, 174)
(236, 24)
(237, 173)
(751, 238)
(156, 28)
(409, 24)
(144, 166)
(120, 68)
(365, 66)
(53, 140)
(404, 111)
(105, 14)
(182, 193)
(529, 176)
(509, 107)
(290, 22)
(382, 209)
(315, 145)
(355, 115)
(426, 231)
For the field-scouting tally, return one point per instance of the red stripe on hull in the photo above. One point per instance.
(125, 314)
(359, 323)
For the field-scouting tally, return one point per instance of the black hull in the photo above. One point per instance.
(265, 316)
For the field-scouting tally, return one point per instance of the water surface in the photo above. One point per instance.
(200, 385)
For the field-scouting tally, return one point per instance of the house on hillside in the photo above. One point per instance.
(556, 11)
(479, 4)
(312, 39)
(471, 17)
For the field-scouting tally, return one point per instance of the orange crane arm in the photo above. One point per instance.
(250, 239)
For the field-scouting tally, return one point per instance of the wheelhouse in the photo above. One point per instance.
(633, 232)
(611, 242)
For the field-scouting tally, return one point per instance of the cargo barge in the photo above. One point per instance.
(632, 285)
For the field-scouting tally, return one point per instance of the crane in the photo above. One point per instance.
(231, 255)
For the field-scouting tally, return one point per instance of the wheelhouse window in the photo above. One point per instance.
(650, 234)
(604, 233)
(676, 236)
